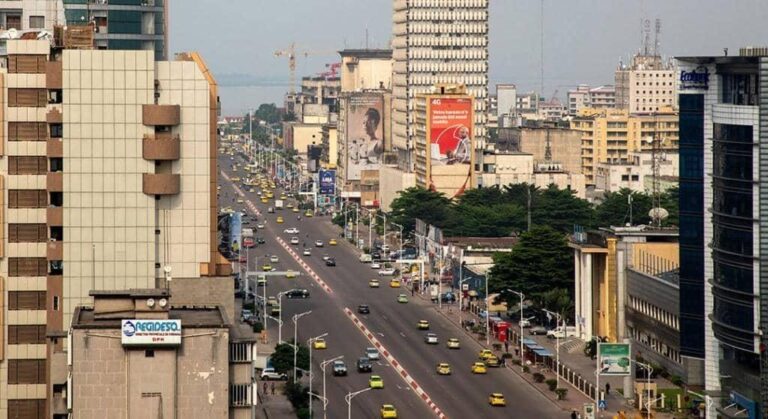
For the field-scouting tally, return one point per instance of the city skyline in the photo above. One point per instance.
(589, 58)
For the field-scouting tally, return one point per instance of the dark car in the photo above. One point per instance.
(364, 365)
(363, 309)
(376, 255)
(339, 368)
(260, 240)
(537, 330)
(330, 262)
(297, 293)
(446, 297)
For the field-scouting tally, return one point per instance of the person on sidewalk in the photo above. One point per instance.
(574, 415)
(265, 390)
(607, 389)
(273, 388)
(506, 346)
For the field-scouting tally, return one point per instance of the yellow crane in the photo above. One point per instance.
(291, 52)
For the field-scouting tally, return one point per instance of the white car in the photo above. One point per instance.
(319, 243)
(292, 230)
(307, 252)
(431, 338)
(375, 265)
(387, 271)
(260, 226)
(294, 240)
(326, 257)
(372, 353)
(274, 259)
(271, 374)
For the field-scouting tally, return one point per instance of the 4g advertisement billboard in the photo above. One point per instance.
(450, 141)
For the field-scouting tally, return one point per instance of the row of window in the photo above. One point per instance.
(656, 313)
(655, 344)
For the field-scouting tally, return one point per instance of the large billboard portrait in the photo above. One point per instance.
(365, 134)
(450, 143)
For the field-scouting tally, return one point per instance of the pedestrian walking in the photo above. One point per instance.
(506, 346)
(273, 388)
(265, 389)
(607, 388)
(574, 415)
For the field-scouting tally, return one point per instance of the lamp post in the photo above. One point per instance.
(296, 318)
(280, 316)
(487, 310)
(322, 368)
(351, 395)
(649, 369)
(310, 341)
(522, 298)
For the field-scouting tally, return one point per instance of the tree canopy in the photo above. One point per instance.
(427, 205)
(282, 358)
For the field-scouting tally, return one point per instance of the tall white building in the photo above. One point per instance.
(646, 85)
(437, 41)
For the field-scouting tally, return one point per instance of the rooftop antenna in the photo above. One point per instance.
(656, 44)
(541, 57)
(366, 38)
(646, 37)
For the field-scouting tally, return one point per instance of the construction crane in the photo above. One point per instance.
(291, 52)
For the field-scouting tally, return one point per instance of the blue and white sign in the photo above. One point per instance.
(698, 78)
(151, 332)
(327, 182)
(602, 405)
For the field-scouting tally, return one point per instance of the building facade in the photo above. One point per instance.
(437, 42)
(636, 173)
(30, 14)
(726, 103)
(109, 174)
(123, 25)
(583, 96)
(646, 85)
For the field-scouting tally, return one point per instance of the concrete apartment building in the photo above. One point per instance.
(610, 135)
(724, 106)
(646, 85)
(30, 14)
(437, 42)
(109, 177)
(584, 96)
(636, 173)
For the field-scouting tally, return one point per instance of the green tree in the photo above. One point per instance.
(430, 206)
(561, 209)
(268, 113)
(282, 358)
(541, 261)
(558, 300)
(670, 201)
(498, 220)
(615, 208)
(483, 197)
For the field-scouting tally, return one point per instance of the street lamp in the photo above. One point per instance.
(348, 398)
(310, 341)
(322, 368)
(522, 297)
(649, 369)
(280, 316)
(487, 310)
(296, 318)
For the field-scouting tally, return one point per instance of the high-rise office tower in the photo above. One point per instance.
(108, 174)
(437, 42)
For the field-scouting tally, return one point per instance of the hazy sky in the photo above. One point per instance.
(583, 39)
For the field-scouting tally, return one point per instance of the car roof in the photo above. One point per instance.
(497, 395)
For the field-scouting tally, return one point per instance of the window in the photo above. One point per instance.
(57, 130)
(37, 22)
(55, 303)
(26, 334)
(27, 131)
(26, 408)
(240, 395)
(240, 352)
(739, 89)
(27, 165)
(26, 300)
(27, 233)
(27, 64)
(27, 198)
(13, 22)
(30, 98)
(27, 266)
(26, 371)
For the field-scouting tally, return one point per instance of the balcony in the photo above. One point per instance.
(54, 75)
(54, 182)
(55, 216)
(161, 147)
(54, 147)
(54, 116)
(161, 115)
(161, 184)
(55, 250)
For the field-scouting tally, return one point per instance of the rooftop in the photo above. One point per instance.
(366, 53)
(194, 317)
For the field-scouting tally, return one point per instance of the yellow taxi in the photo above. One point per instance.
(394, 283)
(453, 343)
(295, 209)
(264, 200)
(270, 195)
(289, 205)
(279, 220)
(479, 368)
(332, 242)
(308, 213)
(376, 382)
(282, 196)
(422, 325)
(388, 411)
(492, 361)
(266, 267)
(485, 354)
(235, 179)
(239, 200)
(291, 274)
(444, 368)
(373, 283)
(497, 399)
(319, 344)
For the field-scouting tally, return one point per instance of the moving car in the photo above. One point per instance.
(375, 265)
(330, 262)
(562, 332)
(402, 298)
(497, 399)
(453, 343)
(373, 283)
(388, 411)
(261, 281)
(245, 315)
(537, 330)
(339, 368)
(292, 230)
(485, 354)
(308, 213)
(271, 301)
(260, 240)
(326, 256)
(363, 309)
(332, 242)
(291, 274)
(479, 368)
(279, 220)
(294, 240)
(376, 382)
(372, 353)
(307, 252)
(394, 283)
(319, 243)
(387, 271)
(364, 365)
(275, 310)
(492, 361)
(295, 209)
(319, 344)
(260, 225)
(271, 374)
(444, 368)
(266, 267)
(274, 259)
(297, 293)
(422, 325)
(431, 339)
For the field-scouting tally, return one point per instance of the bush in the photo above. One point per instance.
(552, 384)
(561, 393)
(303, 413)
(297, 394)
(677, 380)
(538, 377)
(526, 368)
(516, 361)
(258, 327)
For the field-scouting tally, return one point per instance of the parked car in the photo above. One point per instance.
(537, 330)
(271, 374)
(339, 368)
(562, 332)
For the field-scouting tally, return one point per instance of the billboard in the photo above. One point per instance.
(151, 332)
(613, 359)
(235, 231)
(450, 143)
(327, 182)
(365, 133)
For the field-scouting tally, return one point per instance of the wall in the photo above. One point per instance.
(206, 291)
(565, 145)
(367, 74)
(305, 135)
(391, 181)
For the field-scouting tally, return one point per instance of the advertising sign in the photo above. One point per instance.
(698, 78)
(614, 359)
(327, 182)
(365, 133)
(235, 231)
(450, 143)
(151, 332)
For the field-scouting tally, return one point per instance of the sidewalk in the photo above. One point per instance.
(274, 406)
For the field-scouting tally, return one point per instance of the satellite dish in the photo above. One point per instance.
(658, 214)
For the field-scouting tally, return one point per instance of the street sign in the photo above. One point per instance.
(589, 411)
(613, 359)
(602, 405)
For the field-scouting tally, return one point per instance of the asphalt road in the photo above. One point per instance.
(461, 395)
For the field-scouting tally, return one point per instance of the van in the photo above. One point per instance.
(562, 333)
(366, 258)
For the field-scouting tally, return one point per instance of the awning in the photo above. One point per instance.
(542, 352)
(534, 347)
(527, 341)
